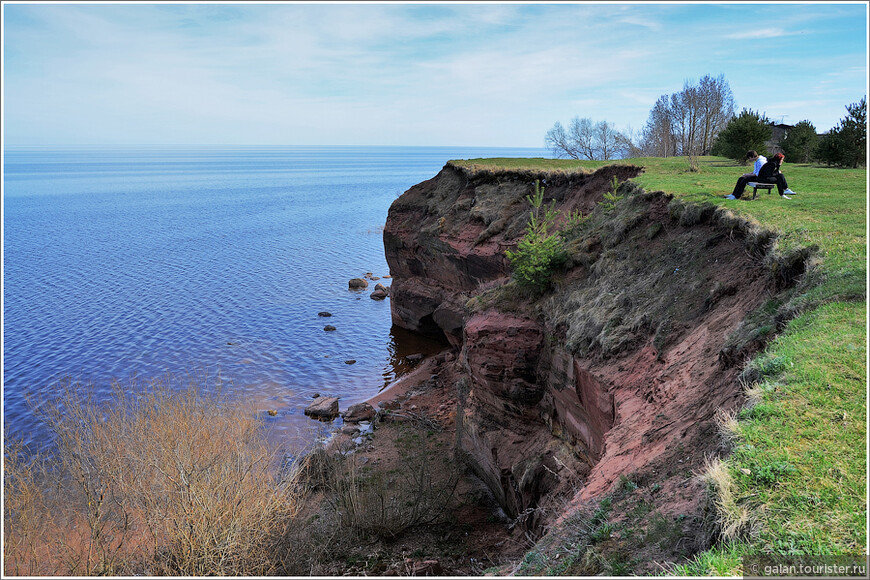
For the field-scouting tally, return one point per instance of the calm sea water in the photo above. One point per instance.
(148, 262)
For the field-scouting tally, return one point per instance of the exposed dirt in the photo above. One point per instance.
(474, 535)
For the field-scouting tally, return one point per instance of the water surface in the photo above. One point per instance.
(141, 262)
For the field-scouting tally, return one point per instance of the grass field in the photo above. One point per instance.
(798, 468)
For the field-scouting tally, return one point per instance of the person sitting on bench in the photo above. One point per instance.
(770, 173)
(759, 160)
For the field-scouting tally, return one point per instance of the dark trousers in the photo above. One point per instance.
(741, 184)
(779, 180)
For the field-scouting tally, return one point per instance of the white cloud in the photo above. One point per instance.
(758, 33)
(415, 73)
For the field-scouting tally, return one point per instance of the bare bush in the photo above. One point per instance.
(387, 502)
(167, 479)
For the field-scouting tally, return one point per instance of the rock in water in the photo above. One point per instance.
(357, 284)
(359, 412)
(324, 408)
(380, 292)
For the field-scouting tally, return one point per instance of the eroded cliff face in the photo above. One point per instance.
(445, 238)
(615, 373)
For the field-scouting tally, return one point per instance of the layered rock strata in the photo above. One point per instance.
(620, 369)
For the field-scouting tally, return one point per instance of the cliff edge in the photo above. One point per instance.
(613, 378)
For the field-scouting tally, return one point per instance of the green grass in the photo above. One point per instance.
(799, 457)
(803, 444)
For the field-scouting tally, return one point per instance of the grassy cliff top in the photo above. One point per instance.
(829, 211)
(797, 470)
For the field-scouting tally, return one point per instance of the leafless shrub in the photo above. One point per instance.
(169, 479)
(386, 502)
(27, 521)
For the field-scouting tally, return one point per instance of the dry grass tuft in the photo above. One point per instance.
(729, 427)
(733, 519)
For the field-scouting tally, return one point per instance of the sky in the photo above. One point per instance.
(408, 74)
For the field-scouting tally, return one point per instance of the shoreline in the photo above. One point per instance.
(476, 538)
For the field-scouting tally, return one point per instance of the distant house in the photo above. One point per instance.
(777, 134)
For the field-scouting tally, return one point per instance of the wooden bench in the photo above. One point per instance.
(756, 185)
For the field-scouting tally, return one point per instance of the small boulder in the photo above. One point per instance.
(359, 412)
(380, 292)
(357, 284)
(323, 408)
(329, 328)
(350, 361)
(390, 405)
(350, 430)
(324, 314)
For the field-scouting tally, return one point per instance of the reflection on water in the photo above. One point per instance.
(294, 431)
(403, 344)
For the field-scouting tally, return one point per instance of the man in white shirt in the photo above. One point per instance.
(759, 160)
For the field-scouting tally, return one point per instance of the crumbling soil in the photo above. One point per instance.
(475, 536)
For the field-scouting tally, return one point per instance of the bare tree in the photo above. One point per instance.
(658, 136)
(631, 143)
(586, 140)
(687, 122)
(717, 108)
(582, 135)
(609, 142)
(557, 141)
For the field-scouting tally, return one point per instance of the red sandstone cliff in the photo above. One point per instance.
(619, 370)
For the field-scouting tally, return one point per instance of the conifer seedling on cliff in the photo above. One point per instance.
(539, 252)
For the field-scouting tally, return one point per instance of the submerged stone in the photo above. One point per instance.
(323, 408)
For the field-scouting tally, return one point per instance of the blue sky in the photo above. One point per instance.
(487, 74)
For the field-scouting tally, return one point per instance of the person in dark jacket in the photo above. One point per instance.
(759, 161)
(771, 172)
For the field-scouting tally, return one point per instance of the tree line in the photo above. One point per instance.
(700, 120)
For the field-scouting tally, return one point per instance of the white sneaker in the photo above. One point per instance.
(786, 197)
(790, 192)
(730, 197)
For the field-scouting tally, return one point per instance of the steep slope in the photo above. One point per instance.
(617, 373)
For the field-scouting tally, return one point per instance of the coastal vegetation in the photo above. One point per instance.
(166, 478)
(171, 478)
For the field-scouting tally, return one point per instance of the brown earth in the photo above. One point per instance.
(474, 535)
